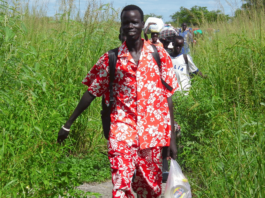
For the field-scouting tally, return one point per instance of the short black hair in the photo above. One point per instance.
(133, 7)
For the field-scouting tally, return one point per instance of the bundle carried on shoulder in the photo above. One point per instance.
(154, 28)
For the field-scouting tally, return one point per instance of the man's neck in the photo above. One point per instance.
(134, 45)
(175, 55)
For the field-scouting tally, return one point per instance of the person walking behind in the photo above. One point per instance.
(166, 37)
(183, 65)
(188, 38)
(154, 36)
(141, 116)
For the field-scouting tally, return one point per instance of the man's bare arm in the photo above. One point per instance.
(146, 29)
(85, 101)
(172, 152)
(200, 74)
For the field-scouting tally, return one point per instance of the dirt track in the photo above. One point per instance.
(105, 188)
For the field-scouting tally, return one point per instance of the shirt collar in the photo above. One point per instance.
(124, 52)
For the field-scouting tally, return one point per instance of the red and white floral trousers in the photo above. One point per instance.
(124, 160)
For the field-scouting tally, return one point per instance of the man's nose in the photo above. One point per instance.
(130, 25)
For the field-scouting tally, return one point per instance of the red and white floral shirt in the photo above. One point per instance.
(140, 112)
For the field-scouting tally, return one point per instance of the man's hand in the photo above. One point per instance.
(172, 151)
(202, 75)
(146, 29)
(151, 24)
(85, 101)
(62, 135)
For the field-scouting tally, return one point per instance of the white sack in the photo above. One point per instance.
(177, 185)
(154, 28)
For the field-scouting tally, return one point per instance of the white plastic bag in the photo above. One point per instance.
(177, 185)
(154, 28)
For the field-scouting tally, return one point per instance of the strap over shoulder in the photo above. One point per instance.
(112, 65)
(156, 56)
(186, 59)
(158, 61)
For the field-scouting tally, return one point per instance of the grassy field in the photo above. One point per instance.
(223, 119)
(42, 63)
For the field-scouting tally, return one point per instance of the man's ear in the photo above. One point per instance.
(143, 24)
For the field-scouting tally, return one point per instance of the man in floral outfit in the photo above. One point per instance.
(142, 113)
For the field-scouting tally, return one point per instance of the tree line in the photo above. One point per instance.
(249, 5)
(197, 15)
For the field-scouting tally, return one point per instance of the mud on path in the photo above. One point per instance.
(105, 188)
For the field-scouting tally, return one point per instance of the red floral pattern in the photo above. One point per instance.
(140, 107)
(148, 164)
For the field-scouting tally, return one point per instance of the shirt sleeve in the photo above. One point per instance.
(97, 79)
(167, 71)
(192, 67)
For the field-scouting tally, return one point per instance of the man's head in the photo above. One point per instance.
(122, 37)
(132, 7)
(154, 36)
(166, 42)
(166, 36)
(184, 26)
(132, 22)
(178, 43)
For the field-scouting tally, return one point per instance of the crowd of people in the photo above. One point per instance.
(142, 129)
(177, 42)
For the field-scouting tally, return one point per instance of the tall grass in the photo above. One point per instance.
(43, 61)
(223, 118)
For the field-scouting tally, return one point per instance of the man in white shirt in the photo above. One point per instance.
(183, 65)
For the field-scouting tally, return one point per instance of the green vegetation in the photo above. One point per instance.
(249, 4)
(197, 16)
(146, 16)
(223, 118)
(42, 63)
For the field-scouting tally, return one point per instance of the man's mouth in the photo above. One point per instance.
(131, 33)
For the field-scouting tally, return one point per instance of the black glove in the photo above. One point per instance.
(62, 135)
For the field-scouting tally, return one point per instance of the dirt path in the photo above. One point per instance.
(105, 188)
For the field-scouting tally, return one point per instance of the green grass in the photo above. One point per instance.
(223, 118)
(42, 63)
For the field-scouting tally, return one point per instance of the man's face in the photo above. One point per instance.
(131, 24)
(184, 26)
(154, 37)
(166, 42)
(122, 37)
(178, 44)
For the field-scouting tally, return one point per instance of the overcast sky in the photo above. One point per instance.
(159, 7)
